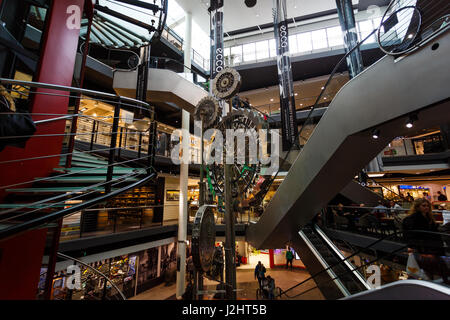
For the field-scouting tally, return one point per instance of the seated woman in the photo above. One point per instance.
(420, 233)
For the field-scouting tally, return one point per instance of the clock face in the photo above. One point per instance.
(203, 238)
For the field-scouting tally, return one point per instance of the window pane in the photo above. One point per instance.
(236, 53)
(226, 54)
(249, 52)
(319, 39)
(293, 47)
(262, 50)
(335, 37)
(273, 48)
(304, 42)
(365, 28)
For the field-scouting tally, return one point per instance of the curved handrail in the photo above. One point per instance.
(42, 85)
(62, 255)
(39, 221)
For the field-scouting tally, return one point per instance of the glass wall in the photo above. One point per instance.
(300, 43)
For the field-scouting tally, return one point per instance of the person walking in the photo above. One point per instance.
(260, 272)
(289, 258)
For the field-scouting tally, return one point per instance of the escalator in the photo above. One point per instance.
(318, 253)
(411, 83)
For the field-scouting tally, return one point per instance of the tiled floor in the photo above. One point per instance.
(247, 286)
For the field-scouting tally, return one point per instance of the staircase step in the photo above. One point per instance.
(83, 159)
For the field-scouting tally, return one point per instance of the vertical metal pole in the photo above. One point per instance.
(52, 261)
(201, 200)
(120, 142)
(73, 128)
(289, 127)
(92, 135)
(140, 144)
(112, 151)
(348, 26)
(230, 263)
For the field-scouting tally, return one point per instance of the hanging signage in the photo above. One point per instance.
(217, 57)
(289, 129)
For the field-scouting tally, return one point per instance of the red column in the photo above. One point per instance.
(56, 66)
(21, 256)
(20, 265)
(271, 258)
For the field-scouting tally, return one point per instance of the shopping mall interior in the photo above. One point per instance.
(224, 150)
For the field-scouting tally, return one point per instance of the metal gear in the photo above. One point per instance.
(245, 175)
(226, 83)
(207, 111)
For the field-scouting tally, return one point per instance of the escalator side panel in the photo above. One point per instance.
(329, 289)
(380, 97)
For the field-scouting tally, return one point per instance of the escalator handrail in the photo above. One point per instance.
(361, 250)
(340, 255)
(62, 255)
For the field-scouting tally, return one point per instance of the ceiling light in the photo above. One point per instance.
(376, 134)
(410, 122)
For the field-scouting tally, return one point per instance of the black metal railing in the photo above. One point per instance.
(96, 180)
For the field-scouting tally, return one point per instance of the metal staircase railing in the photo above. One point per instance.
(80, 180)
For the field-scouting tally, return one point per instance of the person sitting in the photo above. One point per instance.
(270, 287)
(419, 231)
(380, 210)
(265, 287)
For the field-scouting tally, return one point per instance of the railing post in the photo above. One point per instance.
(92, 135)
(120, 142)
(151, 145)
(112, 151)
(140, 144)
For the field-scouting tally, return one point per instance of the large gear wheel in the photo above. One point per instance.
(246, 174)
(207, 111)
(226, 84)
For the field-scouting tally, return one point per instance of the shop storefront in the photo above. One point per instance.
(132, 273)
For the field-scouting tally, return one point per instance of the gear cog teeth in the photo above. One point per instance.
(226, 83)
(207, 111)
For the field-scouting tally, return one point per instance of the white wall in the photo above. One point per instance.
(171, 208)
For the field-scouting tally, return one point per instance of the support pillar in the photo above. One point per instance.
(348, 26)
(230, 242)
(184, 173)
